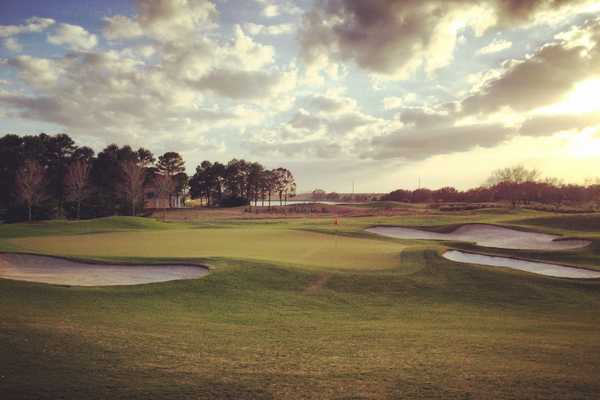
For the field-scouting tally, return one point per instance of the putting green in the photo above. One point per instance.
(276, 245)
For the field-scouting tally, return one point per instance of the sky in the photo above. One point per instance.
(381, 93)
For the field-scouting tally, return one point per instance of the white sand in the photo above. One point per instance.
(487, 236)
(535, 267)
(25, 267)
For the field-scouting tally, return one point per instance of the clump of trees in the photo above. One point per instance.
(240, 182)
(44, 176)
(516, 185)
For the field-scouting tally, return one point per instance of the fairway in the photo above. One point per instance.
(295, 310)
(267, 244)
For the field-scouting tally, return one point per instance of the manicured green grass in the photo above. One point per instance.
(283, 316)
(262, 244)
(64, 227)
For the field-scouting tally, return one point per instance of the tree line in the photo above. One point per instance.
(240, 182)
(517, 185)
(46, 176)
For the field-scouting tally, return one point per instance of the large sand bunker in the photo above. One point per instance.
(487, 236)
(560, 271)
(31, 268)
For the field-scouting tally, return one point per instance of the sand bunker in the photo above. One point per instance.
(487, 236)
(535, 267)
(25, 267)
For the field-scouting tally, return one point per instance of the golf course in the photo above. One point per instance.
(302, 308)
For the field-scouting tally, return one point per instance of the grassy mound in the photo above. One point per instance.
(379, 318)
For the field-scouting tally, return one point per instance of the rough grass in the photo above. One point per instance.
(262, 328)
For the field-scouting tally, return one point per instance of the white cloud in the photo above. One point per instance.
(121, 27)
(73, 37)
(271, 30)
(34, 24)
(163, 20)
(496, 46)
(12, 44)
(271, 8)
(394, 102)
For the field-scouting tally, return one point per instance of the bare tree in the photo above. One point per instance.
(30, 185)
(518, 174)
(77, 184)
(165, 186)
(132, 184)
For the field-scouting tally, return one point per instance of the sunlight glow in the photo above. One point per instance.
(584, 98)
(585, 144)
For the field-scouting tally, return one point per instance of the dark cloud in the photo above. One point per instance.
(239, 84)
(424, 118)
(419, 144)
(317, 148)
(545, 125)
(395, 38)
(539, 80)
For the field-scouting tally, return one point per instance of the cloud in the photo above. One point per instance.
(394, 39)
(546, 125)
(184, 90)
(271, 8)
(496, 46)
(317, 148)
(38, 73)
(73, 37)
(394, 102)
(32, 25)
(271, 30)
(542, 78)
(163, 20)
(121, 27)
(419, 144)
(12, 44)
(240, 84)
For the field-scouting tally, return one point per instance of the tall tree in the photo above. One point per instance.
(11, 150)
(285, 185)
(106, 175)
(132, 183)
(171, 164)
(164, 186)
(77, 183)
(145, 157)
(30, 185)
(59, 151)
(255, 177)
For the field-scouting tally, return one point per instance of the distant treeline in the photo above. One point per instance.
(516, 185)
(240, 182)
(44, 176)
(322, 195)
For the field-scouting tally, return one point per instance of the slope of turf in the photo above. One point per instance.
(261, 328)
(64, 227)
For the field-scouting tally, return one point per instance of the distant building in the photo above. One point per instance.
(152, 201)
